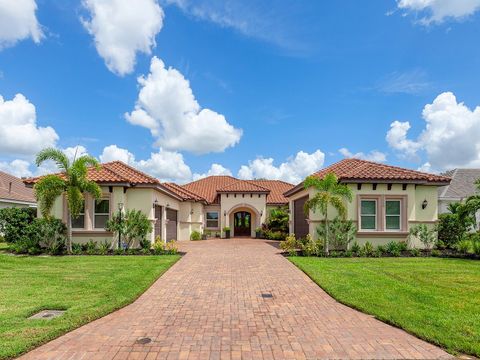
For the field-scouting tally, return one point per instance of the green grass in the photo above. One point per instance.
(87, 287)
(436, 299)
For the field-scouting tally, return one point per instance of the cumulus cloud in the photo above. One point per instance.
(18, 22)
(18, 168)
(373, 155)
(123, 28)
(294, 170)
(19, 133)
(451, 137)
(167, 107)
(215, 169)
(164, 165)
(436, 11)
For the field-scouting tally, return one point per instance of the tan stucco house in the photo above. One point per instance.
(205, 205)
(387, 201)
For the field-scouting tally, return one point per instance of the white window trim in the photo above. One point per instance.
(399, 215)
(206, 219)
(376, 215)
(95, 213)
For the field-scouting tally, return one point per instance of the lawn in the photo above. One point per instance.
(87, 287)
(436, 299)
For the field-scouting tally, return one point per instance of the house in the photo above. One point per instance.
(14, 193)
(175, 211)
(387, 201)
(460, 188)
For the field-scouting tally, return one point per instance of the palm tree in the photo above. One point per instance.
(328, 193)
(72, 182)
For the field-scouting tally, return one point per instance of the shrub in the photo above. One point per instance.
(381, 249)
(103, 248)
(348, 253)
(402, 246)
(274, 235)
(145, 251)
(308, 246)
(51, 234)
(171, 248)
(119, 251)
(463, 246)
(415, 252)
(14, 223)
(427, 236)
(436, 253)
(368, 249)
(195, 235)
(450, 229)
(378, 252)
(77, 249)
(476, 247)
(340, 233)
(145, 244)
(392, 247)
(159, 246)
(355, 248)
(134, 226)
(91, 247)
(277, 220)
(27, 245)
(289, 245)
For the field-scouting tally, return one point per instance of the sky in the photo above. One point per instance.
(183, 89)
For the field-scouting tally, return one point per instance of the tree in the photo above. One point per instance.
(133, 225)
(328, 193)
(72, 182)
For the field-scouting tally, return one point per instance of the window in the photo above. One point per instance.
(392, 214)
(212, 219)
(101, 213)
(368, 215)
(79, 222)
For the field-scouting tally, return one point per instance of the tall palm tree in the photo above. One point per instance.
(72, 182)
(328, 193)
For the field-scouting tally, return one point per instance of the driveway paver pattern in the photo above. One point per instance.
(209, 305)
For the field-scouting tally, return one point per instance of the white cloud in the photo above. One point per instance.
(18, 22)
(373, 155)
(16, 167)
(294, 170)
(215, 169)
(451, 137)
(164, 165)
(19, 133)
(123, 28)
(410, 82)
(166, 105)
(436, 11)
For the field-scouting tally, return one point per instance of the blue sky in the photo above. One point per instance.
(273, 89)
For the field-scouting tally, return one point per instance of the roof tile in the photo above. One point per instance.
(12, 188)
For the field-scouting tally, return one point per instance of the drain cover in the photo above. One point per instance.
(267, 296)
(47, 314)
(143, 341)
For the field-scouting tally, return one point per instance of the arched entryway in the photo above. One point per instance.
(242, 223)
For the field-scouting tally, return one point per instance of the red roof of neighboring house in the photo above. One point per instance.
(113, 172)
(350, 170)
(209, 188)
(182, 192)
(13, 189)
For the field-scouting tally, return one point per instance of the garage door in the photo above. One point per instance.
(171, 225)
(300, 224)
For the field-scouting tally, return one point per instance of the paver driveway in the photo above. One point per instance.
(209, 305)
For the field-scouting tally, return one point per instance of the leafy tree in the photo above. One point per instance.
(133, 225)
(427, 236)
(72, 182)
(340, 233)
(278, 220)
(328, 192)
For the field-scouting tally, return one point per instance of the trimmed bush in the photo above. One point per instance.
(14, 223)
(450, 230)
(195, 235)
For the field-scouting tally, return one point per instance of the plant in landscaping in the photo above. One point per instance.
(476, 247)
(340, 233)
(381, 249)
(415, 252)
(368, 249)
(402, 246)
(427, 236)
(274, 235)
(171, 248)
(91, 247)
(145, 244)
(72, 182)
(14, 223)
(119, 251)
(393, 248)
(436, 253)
(328, 193)
(355, 248)
(276, 224)
(103, 248)
(77, 249)
(133, 225)
(51, 234)
(289, 245)
(463, 246)
(195, 235)
(450, 229)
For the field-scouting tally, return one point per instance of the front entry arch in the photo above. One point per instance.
(242, 223)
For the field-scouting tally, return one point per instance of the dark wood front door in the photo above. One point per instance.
(242, 223)
(171, 225)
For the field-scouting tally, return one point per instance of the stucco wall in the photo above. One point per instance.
(413, 195)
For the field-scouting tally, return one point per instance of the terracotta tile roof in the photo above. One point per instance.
(243, 186)
(12, 188)
(113, 172)
(277, 188)
(209, 187)
(182, 192)
(348, 170)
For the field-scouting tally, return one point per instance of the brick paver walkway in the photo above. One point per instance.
(210, 306)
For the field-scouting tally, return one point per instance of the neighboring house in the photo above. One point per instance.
(175, 210)
(14, 193)
(387, 201)
(461, 187)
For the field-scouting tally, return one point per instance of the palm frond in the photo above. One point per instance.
(93, 189)
(74, 200)
(55, 155)
(339, 205)
(47, 190)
